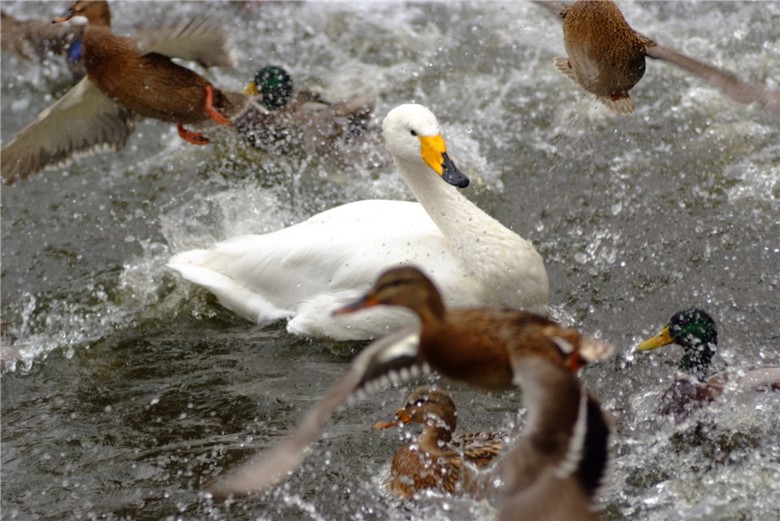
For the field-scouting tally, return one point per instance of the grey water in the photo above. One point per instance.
(125, 390)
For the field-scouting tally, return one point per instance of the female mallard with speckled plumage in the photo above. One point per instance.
(285, 121)
(607, 58)
(438, 459)
(694, 330)
(125, 78)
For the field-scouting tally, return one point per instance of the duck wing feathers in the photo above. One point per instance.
(479, 448)
(367, 369)
(736, 89)
(195, 40)
(83, 121)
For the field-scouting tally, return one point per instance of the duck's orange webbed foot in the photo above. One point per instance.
(212, 111)
(196, 138)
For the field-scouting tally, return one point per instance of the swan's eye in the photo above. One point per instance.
(413, 132)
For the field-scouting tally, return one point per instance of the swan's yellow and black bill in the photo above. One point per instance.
(663, 338)
(434, 153)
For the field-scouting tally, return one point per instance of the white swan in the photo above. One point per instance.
(307, 270)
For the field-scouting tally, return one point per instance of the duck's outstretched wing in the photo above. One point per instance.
(391, 358)
(195, 40)
(733, 87)
(83, 121)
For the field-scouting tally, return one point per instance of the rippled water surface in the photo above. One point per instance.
(125, 390)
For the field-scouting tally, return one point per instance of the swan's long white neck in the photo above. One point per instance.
(448, 208)
(483, 243)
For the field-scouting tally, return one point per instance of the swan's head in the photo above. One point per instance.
(412, 135)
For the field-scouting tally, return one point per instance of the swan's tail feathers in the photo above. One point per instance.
(237, 298)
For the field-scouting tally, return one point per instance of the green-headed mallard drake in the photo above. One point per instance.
(606, 57)
(438, 459)
(35, 39)
(305, 271)
(694, 330)
(125, 78)
(480, 346)
(285, 121)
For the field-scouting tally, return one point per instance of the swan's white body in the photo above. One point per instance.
(307, 270)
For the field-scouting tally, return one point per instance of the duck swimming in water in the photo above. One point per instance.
(437, 459)
(694, 330)
(285, 121)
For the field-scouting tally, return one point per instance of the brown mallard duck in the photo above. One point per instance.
(126, 78)
(476, 345)
(438, 459)
(695, 331)
(606, 57)
(285, 121)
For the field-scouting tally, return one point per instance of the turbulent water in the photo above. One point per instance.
(125, 390)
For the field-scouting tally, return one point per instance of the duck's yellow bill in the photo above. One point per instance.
(434, 153)
(251, 89)
(661, 339)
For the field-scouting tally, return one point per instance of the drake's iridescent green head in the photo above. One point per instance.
(274, 86)
(695, 331)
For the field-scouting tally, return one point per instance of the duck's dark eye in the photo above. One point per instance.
(413, 132)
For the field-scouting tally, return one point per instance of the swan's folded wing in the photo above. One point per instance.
(736, 89)
(195, 40)
(81, 122)
(393, 357)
